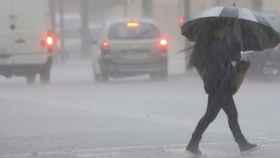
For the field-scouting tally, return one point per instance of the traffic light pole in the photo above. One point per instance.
(187, 7)
(147, 8)
(61, 26)
(52, 10)
(85, 42)
(218, 2)
(125, 8)
(187, 13)
(257, 4)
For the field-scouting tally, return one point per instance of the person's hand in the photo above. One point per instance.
(234, 63)
(244, 56)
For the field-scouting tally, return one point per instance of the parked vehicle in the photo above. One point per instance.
(265, 64)
(27, 45)
(131, 47)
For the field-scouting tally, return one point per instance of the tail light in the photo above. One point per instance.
(163, 45)
(105, 44)
(49, 41)
(105, 47)
(182, 20)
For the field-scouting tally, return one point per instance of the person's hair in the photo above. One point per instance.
(198, 57)
(223, 32)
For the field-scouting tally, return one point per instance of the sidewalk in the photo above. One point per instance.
(211, 150)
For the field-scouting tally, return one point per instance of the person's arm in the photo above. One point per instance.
(235, 51)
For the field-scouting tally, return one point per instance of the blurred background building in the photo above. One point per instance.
(170, 14)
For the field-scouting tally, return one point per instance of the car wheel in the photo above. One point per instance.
(161, 75)
(30, 79)
(101, 77)
(104, 75)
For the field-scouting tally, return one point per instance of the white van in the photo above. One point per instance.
(27, 45)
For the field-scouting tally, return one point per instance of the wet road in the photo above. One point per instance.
(74, 113)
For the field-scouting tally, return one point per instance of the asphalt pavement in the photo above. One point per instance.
(76, 117)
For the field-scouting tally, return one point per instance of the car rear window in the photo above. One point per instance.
(143, 31)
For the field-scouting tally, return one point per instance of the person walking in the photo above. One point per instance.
(215, 56)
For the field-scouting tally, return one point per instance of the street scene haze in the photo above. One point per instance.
(139, 78)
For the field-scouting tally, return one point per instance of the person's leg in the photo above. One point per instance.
(212, 111)
(232, 114)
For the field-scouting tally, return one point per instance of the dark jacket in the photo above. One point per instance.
(218, 70)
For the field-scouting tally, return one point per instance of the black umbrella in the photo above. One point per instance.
(255, 31)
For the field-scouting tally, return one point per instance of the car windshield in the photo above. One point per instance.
(122, 32)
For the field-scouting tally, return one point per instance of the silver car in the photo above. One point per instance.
(131, 47)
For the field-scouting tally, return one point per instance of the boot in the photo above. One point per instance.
(194, 150)
(247, 147)
(193, 146)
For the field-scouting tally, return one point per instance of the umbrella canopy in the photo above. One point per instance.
(254, 29)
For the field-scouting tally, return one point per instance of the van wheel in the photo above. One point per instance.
(45, 74)
(45, 77)
(161, 75)
(30, 79)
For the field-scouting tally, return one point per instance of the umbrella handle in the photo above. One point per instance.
(239, 32)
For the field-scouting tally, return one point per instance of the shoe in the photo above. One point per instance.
(248, 147)
(194, 151)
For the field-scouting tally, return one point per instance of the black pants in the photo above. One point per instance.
(215, 104)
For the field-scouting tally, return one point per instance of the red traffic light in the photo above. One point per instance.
(182, 20)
